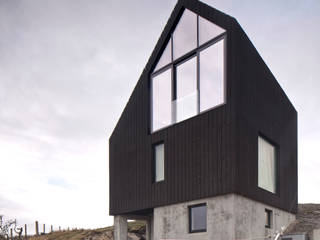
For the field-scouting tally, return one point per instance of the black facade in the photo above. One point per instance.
(212, 153)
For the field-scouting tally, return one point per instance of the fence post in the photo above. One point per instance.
(44, 229)
(51, 228)
(11, 234)
(25, 232)
(37, 228)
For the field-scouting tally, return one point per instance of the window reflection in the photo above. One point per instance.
(161, 100)
(187, 101)
(198, 83)
(185, 34)
(212, 76)
(165, 57)
(208, 30)
(198, 218)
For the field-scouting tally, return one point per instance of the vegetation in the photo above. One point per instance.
(5, 226)
(136, 231)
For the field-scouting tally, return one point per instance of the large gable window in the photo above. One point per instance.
(189, 76)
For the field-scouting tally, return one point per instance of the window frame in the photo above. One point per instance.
(180, 60)
(153, 164)
(269, 216)
(190, 217)
(276, 165)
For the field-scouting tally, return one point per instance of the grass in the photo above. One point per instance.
(81, 234)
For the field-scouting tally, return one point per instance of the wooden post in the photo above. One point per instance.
(37, 228)
(51, 228)
(59, 229)
(25, 232)
(44, 229)
(11, 234)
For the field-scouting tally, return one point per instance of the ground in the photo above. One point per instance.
(136, 231)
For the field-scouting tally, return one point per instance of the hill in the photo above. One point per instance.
(136, 231)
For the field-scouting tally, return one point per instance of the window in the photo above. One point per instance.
(266, 165)
(186, 100)
(161, 91)
(198, 218)
(189, 76)
(158, 153)
(268, 214)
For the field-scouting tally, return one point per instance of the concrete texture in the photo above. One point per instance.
(296, 237)
(149, 229)
(228, 217)
(120, 227)
(315, 235)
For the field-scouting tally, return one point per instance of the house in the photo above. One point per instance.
(206, 147)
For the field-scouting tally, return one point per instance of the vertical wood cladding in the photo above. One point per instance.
(263, 108)
(212, 153)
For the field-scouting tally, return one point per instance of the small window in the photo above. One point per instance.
(266, 165)
(198, 218)
(268, 214)
(158, 162)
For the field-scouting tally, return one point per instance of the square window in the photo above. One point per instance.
(266, 165)
(198, 218)
(158, 152)
(268, 214)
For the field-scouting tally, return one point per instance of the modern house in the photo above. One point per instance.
(206, 147)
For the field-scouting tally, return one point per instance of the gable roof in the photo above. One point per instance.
(227, 22)
(207, 12)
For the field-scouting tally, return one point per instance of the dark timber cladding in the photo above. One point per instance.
(212, 153)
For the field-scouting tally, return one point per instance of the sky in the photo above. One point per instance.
(67, 69)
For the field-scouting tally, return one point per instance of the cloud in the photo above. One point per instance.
(67, 69)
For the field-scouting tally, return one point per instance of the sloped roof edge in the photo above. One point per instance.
(213, 15)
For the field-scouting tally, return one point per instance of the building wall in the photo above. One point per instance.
(213, 153)
(199, 152)
(229, 216)
(263, 108)
(315, 234)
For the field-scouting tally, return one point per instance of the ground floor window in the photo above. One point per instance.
(198, 218)
(268, 214)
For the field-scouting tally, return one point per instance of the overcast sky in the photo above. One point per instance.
(67, 69)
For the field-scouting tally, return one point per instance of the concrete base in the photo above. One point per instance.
(315, 234)
(228, 217)
(120, 228)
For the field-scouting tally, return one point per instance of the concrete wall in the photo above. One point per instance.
(228, 217)
(315, 234)
(296, 237)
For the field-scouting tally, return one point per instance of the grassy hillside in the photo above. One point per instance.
(136, 231)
